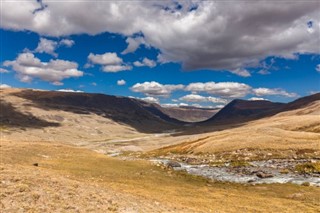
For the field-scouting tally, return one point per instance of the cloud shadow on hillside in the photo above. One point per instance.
(11, 117)
(119, 109)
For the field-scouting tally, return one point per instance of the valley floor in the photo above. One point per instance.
(71, 179)
(63, 163)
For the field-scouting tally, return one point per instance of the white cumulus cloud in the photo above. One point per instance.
(318, 68)
(133, 44)
(121, 82)
(2, 70)
(168, 105)
(257, 99)
(110, 62)
(68, 90)
(219, 106)
(27, 67)
(277, 91)
(47, 46)
(116, 68)
(150, 99)
(156, 89)
(241, 72)
(199, 98)
(4, 86)
(105, 59)
(223, 89)
(199, 34)
(66, 42)
(145, 62)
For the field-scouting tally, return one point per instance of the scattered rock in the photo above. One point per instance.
(173, 164)
(305, 184)
(264, 175)
(284, 171)
(253, 172)
(191, 160)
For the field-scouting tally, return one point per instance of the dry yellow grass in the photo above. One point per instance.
(91, 131)
(84, 181)
(74, 128)
(292, 130)
(79, 179)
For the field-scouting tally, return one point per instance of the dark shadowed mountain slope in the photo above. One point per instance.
(238, 111)
(11, 117)
(241, 110)
(142, 116)
(124, 110)
(300, 103)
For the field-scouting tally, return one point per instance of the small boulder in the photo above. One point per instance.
(305, 184)
(264, 175)
(35, 164)
(173, 164)
(191, 160)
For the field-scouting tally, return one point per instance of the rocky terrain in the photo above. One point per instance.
(301, 172)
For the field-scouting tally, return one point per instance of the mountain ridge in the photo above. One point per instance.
(239, 111)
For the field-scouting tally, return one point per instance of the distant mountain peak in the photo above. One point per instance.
(238, 110)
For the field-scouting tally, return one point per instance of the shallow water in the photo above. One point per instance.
(248, 174)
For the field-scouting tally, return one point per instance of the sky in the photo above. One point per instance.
(190, 52)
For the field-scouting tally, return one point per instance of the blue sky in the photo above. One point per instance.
(162, 62)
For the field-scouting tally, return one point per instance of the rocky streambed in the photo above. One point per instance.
(254, 172)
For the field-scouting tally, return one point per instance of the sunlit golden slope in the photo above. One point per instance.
(290, 130)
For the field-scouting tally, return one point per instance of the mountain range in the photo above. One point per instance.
(140, 115)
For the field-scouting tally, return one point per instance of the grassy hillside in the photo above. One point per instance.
(282, 135)
(121, 110)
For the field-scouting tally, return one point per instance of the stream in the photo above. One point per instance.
(258, 172)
